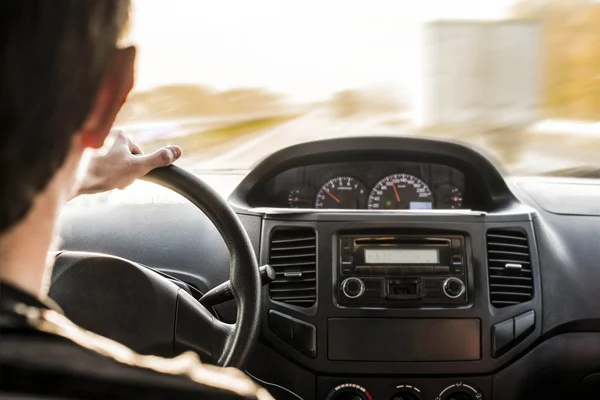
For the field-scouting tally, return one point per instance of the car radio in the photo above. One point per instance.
(401, 270)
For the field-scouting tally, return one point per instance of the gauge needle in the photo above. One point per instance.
(332, 196)
(396, 191)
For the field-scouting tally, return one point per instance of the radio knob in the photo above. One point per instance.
(353, 287)
(453, 287)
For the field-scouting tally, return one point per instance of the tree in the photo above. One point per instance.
(183, 100)
(247, 100)
(346, 103)
(170, 101)
(572, 55)
(380, 100)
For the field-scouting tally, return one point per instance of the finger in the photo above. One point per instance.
(160, 158)
(120, 137)
(123, 139)
(134, 148)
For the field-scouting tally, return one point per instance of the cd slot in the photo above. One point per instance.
(424, 241)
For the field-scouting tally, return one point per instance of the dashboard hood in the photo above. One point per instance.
(481, 170)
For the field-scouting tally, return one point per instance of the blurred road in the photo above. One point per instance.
(541, 148)
(531, 152)
(527, 151)
(315, 125)
(173, 128)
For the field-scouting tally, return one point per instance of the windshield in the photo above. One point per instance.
(233, 81)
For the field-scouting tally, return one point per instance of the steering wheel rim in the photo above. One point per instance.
(90, 288)
(243, 266)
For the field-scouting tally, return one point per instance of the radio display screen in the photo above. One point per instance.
(402, 256)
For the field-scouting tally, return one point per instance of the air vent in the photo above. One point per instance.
(293, 256)
(509, 267)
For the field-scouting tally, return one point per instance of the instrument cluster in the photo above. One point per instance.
(367, 185)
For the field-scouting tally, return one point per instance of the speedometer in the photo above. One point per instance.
(400, 191)
(342, 192)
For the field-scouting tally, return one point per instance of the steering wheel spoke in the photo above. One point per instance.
(199, 330)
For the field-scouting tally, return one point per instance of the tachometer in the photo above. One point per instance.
(342, 192)
(401, 191)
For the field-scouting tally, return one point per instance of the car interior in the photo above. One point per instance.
(354, 268)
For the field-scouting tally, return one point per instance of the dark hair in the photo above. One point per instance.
(54, 54)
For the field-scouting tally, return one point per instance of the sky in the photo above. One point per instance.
(305, 49)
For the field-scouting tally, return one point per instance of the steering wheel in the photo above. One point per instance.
(140, 308)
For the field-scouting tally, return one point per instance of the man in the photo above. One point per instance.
(63, 80)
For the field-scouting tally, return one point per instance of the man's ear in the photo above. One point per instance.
(112, 93)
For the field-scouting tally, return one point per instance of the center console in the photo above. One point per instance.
(377, 308)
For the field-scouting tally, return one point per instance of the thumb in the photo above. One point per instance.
(160, 158)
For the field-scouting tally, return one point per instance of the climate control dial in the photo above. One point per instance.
(353, 288)
(460, 391)
(349, 391)
(407, 392)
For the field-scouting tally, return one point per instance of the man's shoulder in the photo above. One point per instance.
(43, 353)
(44, 364)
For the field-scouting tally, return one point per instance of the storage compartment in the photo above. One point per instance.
(405, 339)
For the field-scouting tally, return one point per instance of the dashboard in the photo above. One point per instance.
(471, 286)
(376, 185)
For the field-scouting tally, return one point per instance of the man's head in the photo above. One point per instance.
(62, 82)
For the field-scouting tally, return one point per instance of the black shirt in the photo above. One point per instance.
(35, 361)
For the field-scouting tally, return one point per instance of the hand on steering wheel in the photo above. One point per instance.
(138, 307)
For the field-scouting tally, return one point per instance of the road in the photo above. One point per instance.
(315, 125)
(519, 152)
(173, 128)
(535, 152)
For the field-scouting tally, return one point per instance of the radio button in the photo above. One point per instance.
(410, 270)
(453, 288)
(441, 269)
(432, 283)
(353, 287)
(372, 283)
(394, 270)
(426, 269)
(378, 269)
(364, 269)
(457, 263)
(434, 292)
(346, 249)
(346, 267)
(373, 294)
(346, 253)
